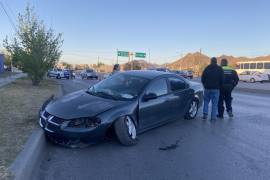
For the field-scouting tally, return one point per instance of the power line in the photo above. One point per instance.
(9, 18)
(10, 10)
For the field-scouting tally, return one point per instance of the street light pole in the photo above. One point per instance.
(116, 56)
(149, 56)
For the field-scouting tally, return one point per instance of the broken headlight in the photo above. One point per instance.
(84, 123)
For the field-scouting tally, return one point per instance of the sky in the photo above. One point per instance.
(167, 29)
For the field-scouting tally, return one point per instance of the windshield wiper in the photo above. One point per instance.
(104, 94)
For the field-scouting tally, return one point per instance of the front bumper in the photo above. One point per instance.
(54, 129)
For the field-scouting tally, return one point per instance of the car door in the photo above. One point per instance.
(180, 97)
(154, 111)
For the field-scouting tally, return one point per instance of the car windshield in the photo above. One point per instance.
(119, 86)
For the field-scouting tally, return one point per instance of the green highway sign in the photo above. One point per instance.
(123, 53)
(140, 54)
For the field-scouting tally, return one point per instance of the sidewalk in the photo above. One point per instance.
(7, 80)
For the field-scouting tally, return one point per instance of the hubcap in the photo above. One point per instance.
(193, 109)
(131, 128)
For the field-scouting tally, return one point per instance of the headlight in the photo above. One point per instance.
(84, 123)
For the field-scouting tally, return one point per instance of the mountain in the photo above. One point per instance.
(197, 61)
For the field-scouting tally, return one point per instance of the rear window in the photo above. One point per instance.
(177, 84)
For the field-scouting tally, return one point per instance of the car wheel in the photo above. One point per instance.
(252, 80)
(192, 110)
(125, 131)
(58, 76)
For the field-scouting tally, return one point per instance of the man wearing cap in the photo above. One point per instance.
(212, 80)
(230, 81)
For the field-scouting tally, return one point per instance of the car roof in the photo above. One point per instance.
(149, 74)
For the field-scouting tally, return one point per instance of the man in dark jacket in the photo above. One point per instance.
(230, 81)
(212, 80)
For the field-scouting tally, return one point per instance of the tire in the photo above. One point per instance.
(58, 76)
(252, 80)
(125, 131)
(192, 110)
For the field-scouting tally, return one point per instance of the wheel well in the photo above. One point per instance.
(111, 131)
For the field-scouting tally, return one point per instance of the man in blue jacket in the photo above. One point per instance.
(212, 80)
(230, 81)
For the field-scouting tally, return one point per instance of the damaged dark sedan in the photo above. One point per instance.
(127, 103)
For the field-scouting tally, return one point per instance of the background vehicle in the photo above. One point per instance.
(163, 69)
(260, 66)
(56, 73)
(189, 74)
(253, 76)
(89, 74)
(59, 73)
(184, 73)
(125, 103)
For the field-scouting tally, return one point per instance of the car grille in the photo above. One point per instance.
(50, 123)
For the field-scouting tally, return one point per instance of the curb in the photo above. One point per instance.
(30, 157)
(34, 150)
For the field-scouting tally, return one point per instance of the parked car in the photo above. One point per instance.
(189, 74)
(127, 103)
(184, 73)
(253, 76)
(89, 74)
(180, 73)
(105, 76)
(163, 69)
(56, 73)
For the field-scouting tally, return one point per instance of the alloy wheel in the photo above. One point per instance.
(131, 127)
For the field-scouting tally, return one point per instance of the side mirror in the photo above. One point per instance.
(149, 96)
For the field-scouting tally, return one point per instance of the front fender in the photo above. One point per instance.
(110, 116)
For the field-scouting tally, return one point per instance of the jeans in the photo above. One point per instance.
(213, 96)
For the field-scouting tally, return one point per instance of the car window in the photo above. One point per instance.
(267, 65)
(157, 87)
(252, 66)
(259, 65)
(176, 84)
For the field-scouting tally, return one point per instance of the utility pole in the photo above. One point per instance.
(149, 61)
(98, 63)
(116, 56)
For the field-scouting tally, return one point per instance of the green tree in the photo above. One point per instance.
(34, 49)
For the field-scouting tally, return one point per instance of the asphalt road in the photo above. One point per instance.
(237, 148)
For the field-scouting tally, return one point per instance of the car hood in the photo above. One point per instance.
(195, 86)
(80, 104)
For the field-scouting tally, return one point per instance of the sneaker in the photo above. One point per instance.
(230, 114)
(220, 117)
(204, 116)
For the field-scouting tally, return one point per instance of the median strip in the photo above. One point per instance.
(20, 103)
